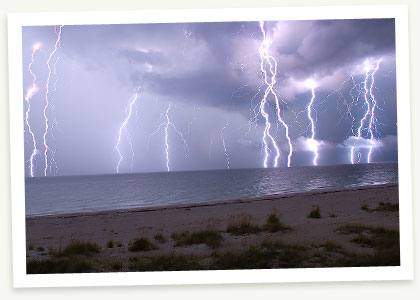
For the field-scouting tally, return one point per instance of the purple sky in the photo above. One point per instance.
(210, 75)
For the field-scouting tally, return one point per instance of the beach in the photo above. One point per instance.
(236, 225)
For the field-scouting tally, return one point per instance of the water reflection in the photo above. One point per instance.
(90, 193)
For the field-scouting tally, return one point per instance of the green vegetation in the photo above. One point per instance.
(315, 212)
(364, 207)
(269, 254)
(382, 206)
(76, 247)
(166, 262)
(273, 224)
(117, 265)
(211, 238)
(73, 264)
(159, 237)
(141, 244)
(385, 242)
(266, 255)
(331, 246)
(242, 224)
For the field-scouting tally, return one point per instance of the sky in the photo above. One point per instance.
(101, 99)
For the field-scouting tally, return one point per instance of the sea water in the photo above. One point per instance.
(73, 194)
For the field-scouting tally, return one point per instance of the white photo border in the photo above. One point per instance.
(17, 20)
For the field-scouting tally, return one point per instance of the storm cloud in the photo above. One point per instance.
(210, 75)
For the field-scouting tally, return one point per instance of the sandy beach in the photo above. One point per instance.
(114, 231)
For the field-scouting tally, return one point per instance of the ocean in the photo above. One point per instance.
(74, 194)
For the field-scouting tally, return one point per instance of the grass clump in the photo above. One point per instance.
(141, 244)
(119, 244)
(382, 206)
(166, 262)
(386, 244)
(30, 247)
(273, 224)
(76, 247)
(242, 224)
(159, 237)
(40, 249)
(110, 244)
(211, 238)
(117, 265)
(331, 246)
(315, 212)
(266, 255)
(73, 264)
(352, 228)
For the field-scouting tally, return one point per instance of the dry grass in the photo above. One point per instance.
(273, 224)
(141, 244)
(211, 238)
(382, 206)
(315, 212)
(242, 224)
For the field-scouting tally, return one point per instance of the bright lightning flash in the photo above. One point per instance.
(222, 137)
(312, 143)
(268, 67)
(370, 71)
(44, 137)
(29, 94)
(372, 114)
(169, 124)
(128, 110)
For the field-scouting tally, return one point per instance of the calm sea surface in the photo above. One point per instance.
(70, 194)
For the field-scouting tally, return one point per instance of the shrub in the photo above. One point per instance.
(159, 237)
(166, 262)
(364, 207)
(332, 246)
(141, 244)
(242, 224)
(382, 206)
(74, 264)
(273, 224)
(211, 238)
(76, 247)
(315, 212)
(266, 255)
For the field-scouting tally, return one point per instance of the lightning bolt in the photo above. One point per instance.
(166, 125)
(166, 137)
(29, 94)
(128, 110)
(270, 81)
(312, 143)
(44, 137)
(370, 110)
(224, 145)
(372, 114)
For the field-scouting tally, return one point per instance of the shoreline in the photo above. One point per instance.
(212, 203)
(353, 227)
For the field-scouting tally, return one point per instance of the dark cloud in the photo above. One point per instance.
(210, 74)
